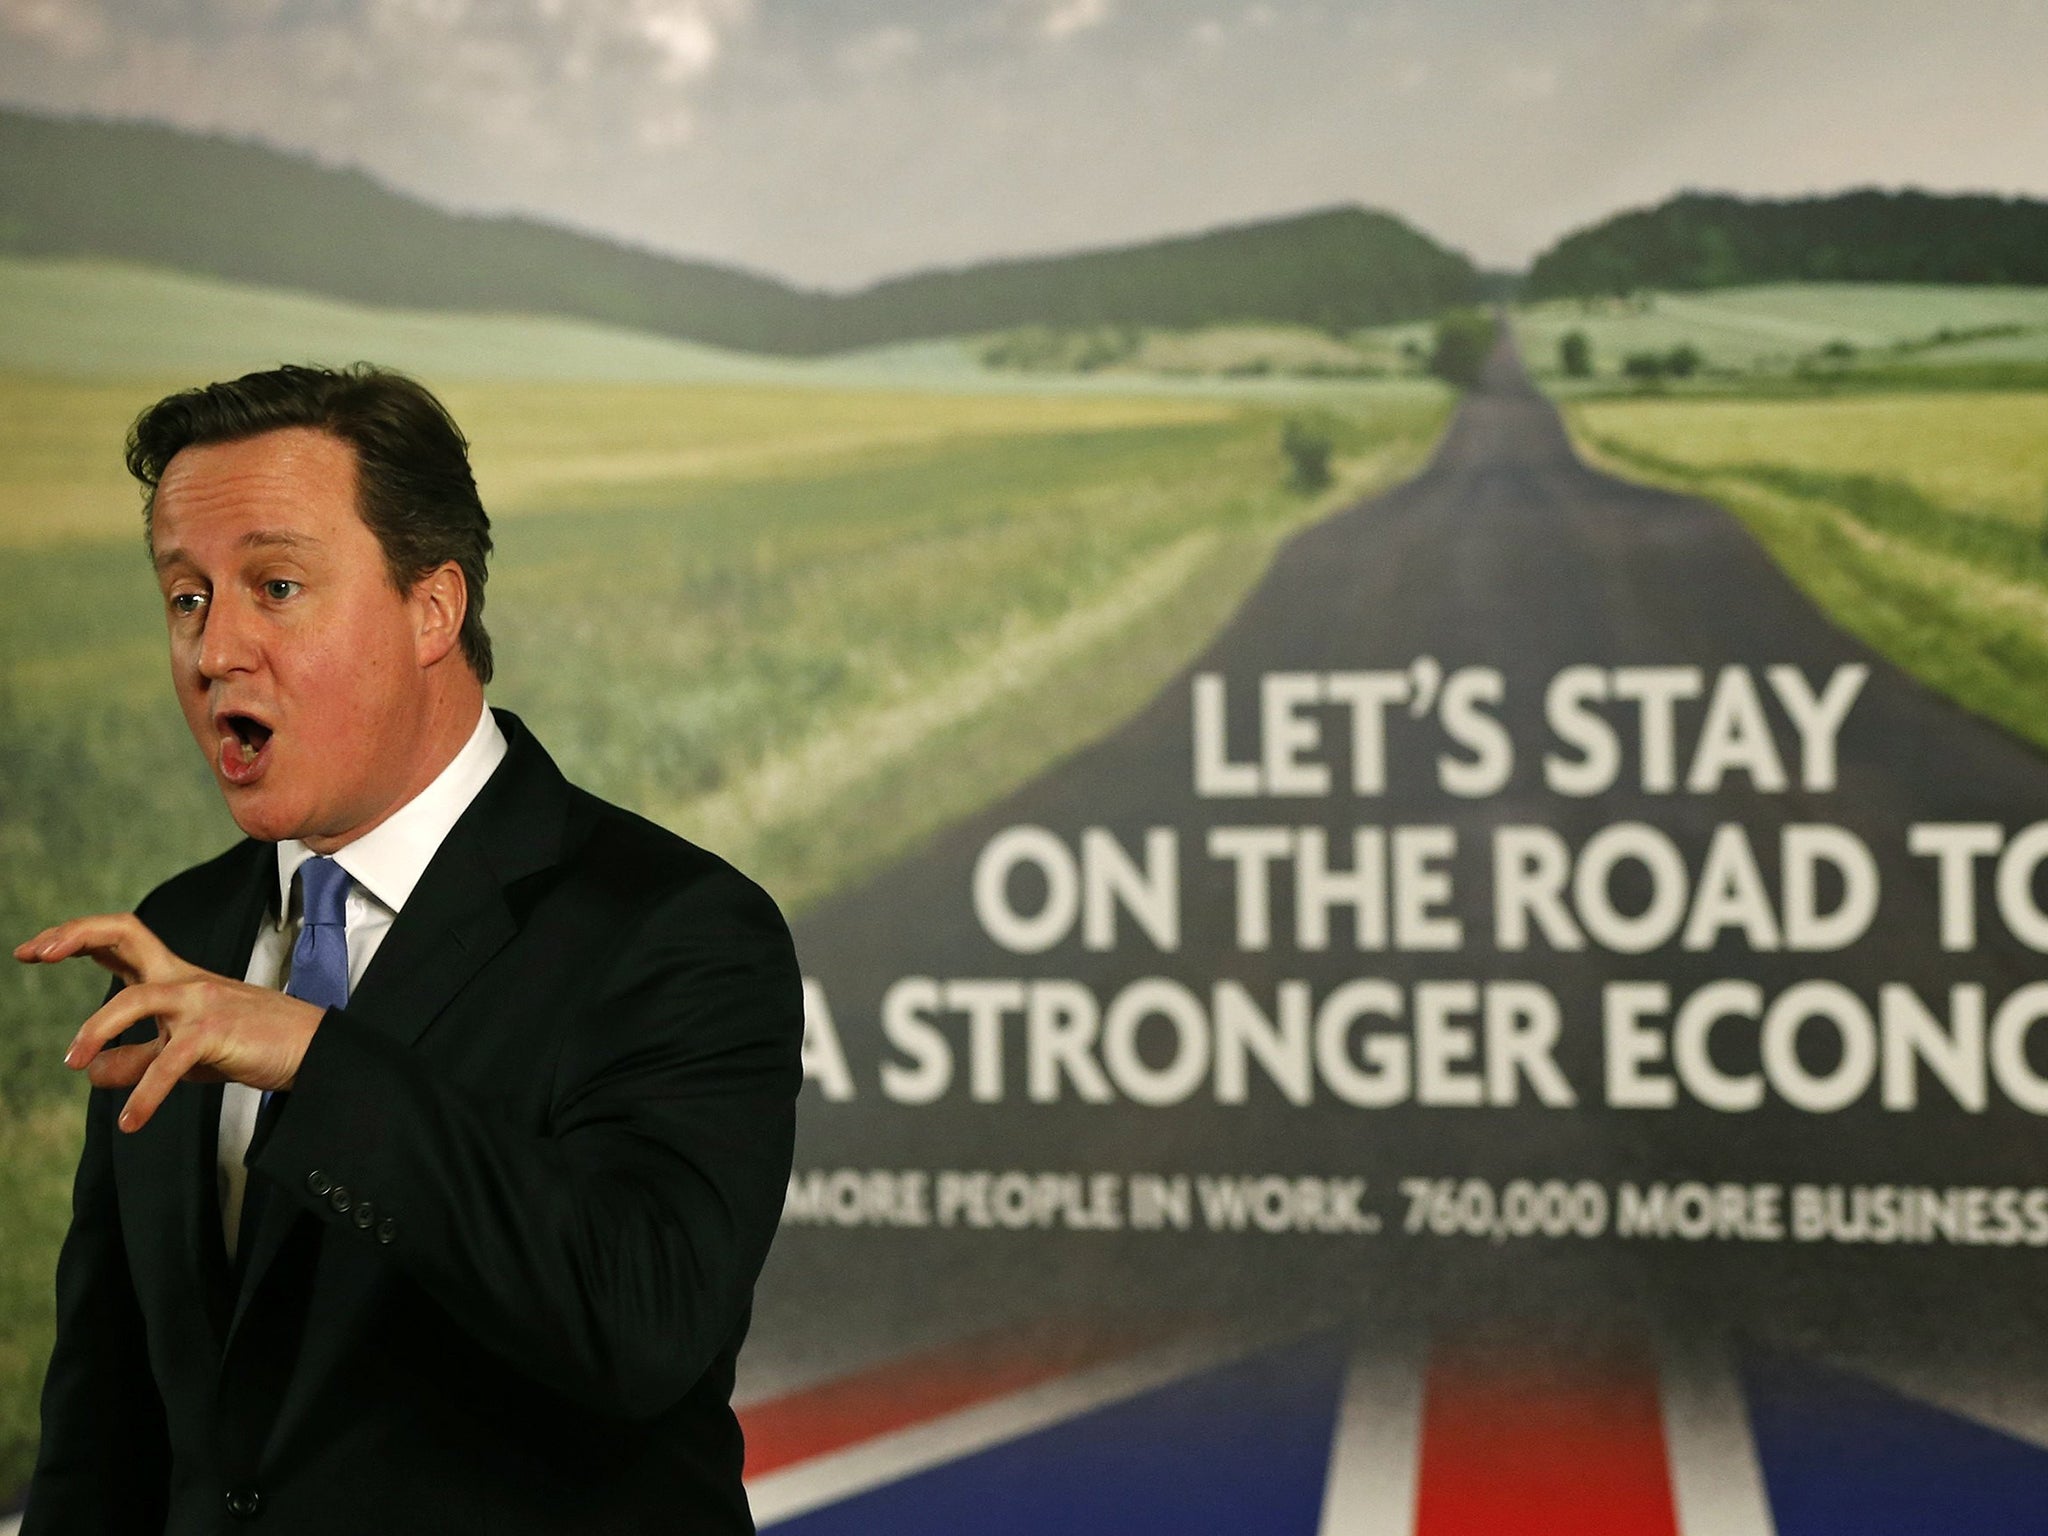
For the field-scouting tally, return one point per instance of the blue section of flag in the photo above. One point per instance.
(1239, 1451)
(1842, 1456)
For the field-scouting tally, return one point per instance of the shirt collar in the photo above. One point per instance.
(389, 859)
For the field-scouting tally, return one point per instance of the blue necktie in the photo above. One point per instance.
(320, 958)
(319, 976)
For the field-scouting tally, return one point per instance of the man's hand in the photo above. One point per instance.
(208, 1028)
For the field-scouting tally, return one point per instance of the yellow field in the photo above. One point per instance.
(1915, 521)
(533, 444)
(1983, 453)
(788, 568)
(60, 460)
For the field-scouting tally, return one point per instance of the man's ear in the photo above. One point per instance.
(439, 600)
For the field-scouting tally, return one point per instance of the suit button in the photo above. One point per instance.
(318, 1182)
(387, 1229)
(364, 1215)
(340, 1198)
(243, 1503)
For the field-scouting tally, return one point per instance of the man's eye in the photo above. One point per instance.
(185, 604)
(277, 589)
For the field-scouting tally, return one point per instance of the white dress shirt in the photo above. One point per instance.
(383, 865)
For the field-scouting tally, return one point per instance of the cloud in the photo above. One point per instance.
(72, 29)
(835, 143)
(1213, 31)
(1529, 82)
(665, 129)
(465, 100)
(877, 50)
(686, 35)
(1068, 17)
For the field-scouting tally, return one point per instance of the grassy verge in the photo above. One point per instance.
(806, 628)
(875, 780)
(1952, 587)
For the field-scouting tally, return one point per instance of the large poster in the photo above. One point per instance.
(1406, 754)
(1531, 949)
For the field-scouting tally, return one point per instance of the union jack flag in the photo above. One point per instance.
(1200, 1430)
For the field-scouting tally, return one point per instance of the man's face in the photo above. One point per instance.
(299, 667)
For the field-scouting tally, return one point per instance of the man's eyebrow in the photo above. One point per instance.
(276, 538)
(255, 538)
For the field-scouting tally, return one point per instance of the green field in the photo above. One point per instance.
(805, 622)
(1919, 522)
(84, 320)
(1215, 352)
(81, 318)
(1774, 330)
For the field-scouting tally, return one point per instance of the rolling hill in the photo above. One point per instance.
(1701, 240)
(216, 207)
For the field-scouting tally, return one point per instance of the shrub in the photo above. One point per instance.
(1645, 368)
(1575, 355)
(1463, 338)
(1044, 349)
(1306, 444)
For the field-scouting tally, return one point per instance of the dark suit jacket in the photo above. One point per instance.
(510, 1216)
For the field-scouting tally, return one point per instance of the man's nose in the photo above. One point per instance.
(228, 643)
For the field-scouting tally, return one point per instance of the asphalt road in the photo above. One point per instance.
(1506, 553)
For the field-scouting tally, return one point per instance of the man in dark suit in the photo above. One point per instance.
(458, 1231)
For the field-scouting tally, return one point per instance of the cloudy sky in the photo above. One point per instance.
(833, 141)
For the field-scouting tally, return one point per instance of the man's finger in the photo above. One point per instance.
(116, 1016)
(29, 951)
(158, 1079)
(117, 940)
(122, 1066)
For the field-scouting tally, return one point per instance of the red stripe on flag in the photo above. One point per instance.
(912, 1389)
(1543, 1449)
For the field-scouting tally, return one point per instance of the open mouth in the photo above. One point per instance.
(243, 739)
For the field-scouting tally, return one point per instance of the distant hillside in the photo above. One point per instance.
(1338, 269)
(235, 210)
(1701, 240)
(137, 192)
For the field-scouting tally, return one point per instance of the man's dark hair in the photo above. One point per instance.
(414, 488)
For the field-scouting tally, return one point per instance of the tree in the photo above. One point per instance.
(1463, 339)
(1575, 355)
(1646, 368)
(1307, 446)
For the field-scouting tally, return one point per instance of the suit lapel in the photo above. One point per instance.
(457, 918)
